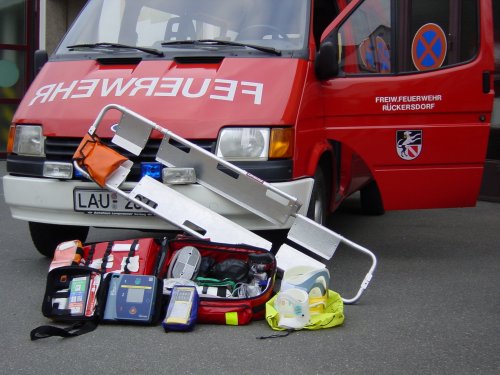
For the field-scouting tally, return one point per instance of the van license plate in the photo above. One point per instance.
(103, 202)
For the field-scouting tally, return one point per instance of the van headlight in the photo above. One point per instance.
(243, 143)
(255, 143)
(28, 140)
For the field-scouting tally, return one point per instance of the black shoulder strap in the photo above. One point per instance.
(276, 335)
(106, 255)
(162, 256)
(76, 329)
(131, 253)
(89, 258)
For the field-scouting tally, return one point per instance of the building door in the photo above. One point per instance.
(18, 29)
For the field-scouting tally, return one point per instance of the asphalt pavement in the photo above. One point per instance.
(433, 307)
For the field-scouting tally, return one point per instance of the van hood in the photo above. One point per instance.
(191, 99)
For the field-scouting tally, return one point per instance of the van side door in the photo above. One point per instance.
(413, 96)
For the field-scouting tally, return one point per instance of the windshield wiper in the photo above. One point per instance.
(215, 42)
(151, 51)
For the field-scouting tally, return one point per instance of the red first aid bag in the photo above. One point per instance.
(233, 306)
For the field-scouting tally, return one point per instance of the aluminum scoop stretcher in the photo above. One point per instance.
(226, 179)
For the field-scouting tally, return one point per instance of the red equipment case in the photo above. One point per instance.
(230, 310)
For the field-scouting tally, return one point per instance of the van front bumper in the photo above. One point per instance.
(51, 201)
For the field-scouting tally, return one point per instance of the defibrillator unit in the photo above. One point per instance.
(131, 298)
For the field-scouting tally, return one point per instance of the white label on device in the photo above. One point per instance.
(123, 247)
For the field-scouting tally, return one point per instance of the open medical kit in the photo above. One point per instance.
(108, 282)
(233, 282)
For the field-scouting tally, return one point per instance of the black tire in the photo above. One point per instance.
(46, 237)
(318, 206)
(371, 200)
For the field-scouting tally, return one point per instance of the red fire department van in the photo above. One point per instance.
(322, 98)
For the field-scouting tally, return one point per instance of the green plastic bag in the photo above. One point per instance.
(333, 315)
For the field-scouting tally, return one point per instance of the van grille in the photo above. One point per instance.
(62, 149)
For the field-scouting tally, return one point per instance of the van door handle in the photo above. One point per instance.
(486, 82)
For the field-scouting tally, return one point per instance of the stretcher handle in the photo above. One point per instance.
(368, 277)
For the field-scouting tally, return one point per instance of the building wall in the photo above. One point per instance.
(27, 25)
(59, 16)
(17, 29)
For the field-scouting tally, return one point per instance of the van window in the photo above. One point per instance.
(407, 36)
(469, 34)
(440, 33)
(325, 12)
(365, 39)
(281, 24)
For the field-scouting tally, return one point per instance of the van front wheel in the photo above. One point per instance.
(46, 237)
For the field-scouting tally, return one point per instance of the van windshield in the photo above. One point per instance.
(165, 24)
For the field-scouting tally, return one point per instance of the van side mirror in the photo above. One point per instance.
(40, 58)
(327, 61)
